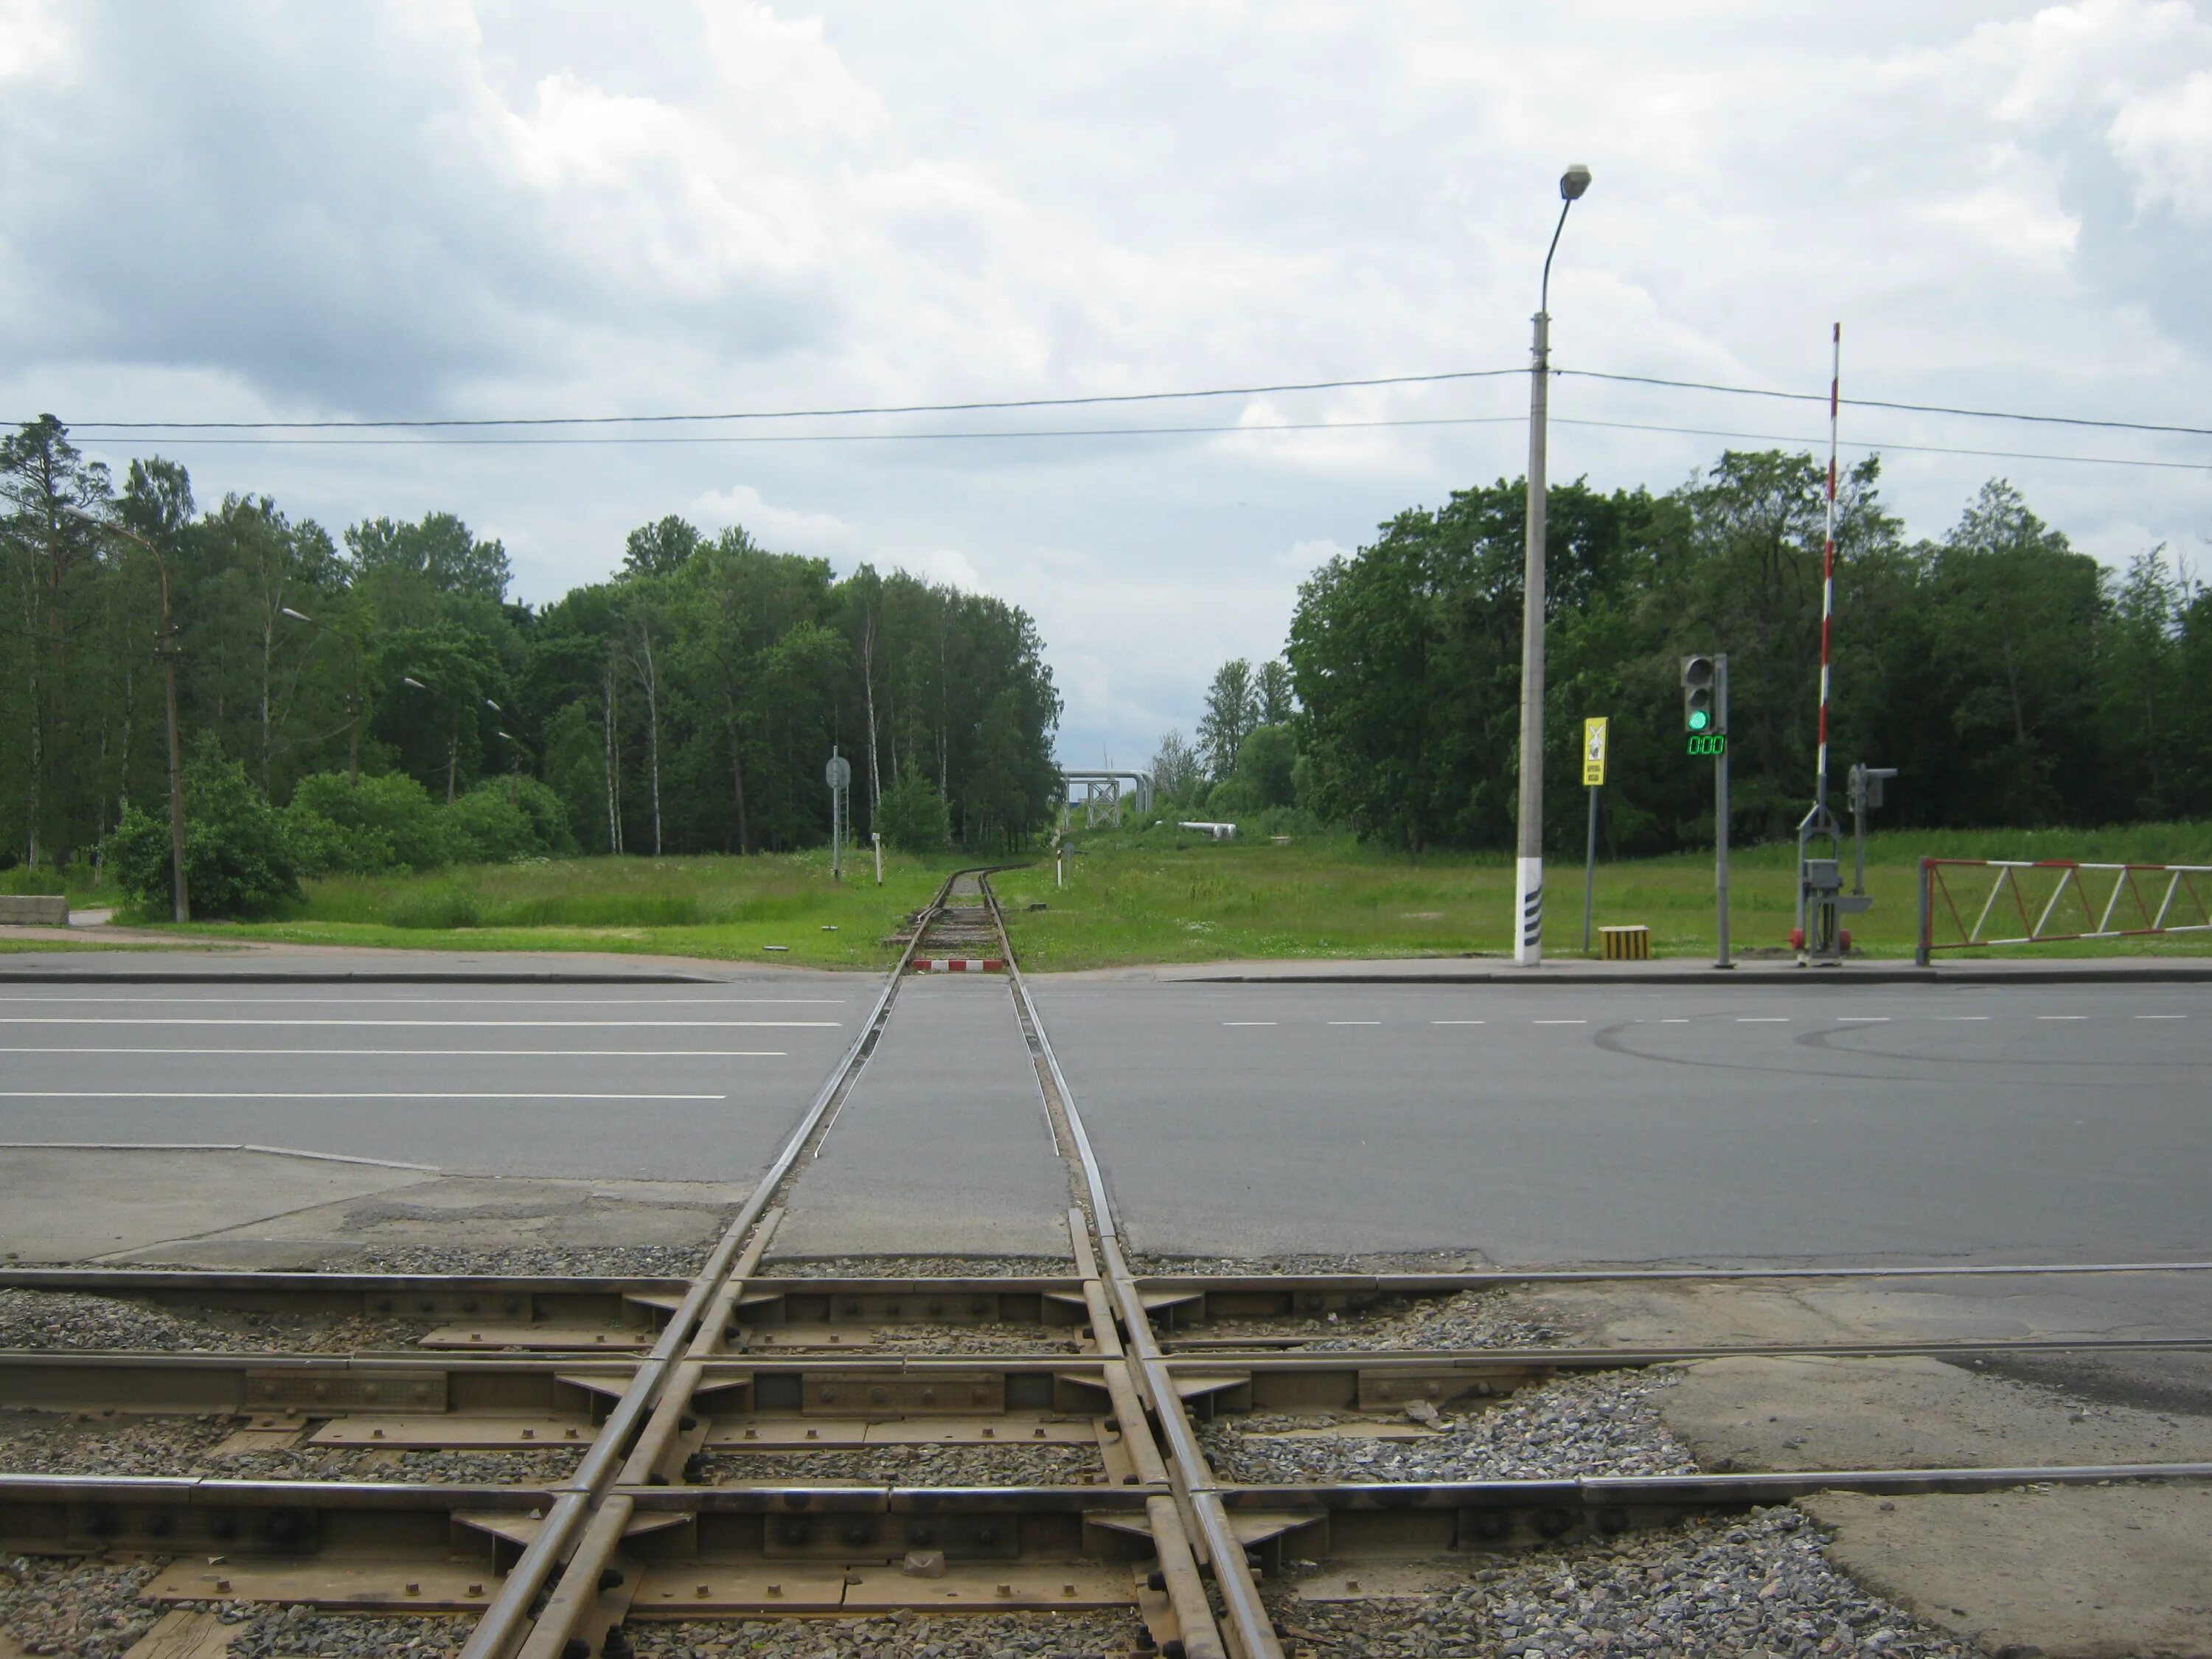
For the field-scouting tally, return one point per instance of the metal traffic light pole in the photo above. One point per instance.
(1721, 814)
(1705, 718)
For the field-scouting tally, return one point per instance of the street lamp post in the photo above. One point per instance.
(353, 700)
(1528, 860)
(180, 902)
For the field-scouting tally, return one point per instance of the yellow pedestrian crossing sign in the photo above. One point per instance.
(1593, 752)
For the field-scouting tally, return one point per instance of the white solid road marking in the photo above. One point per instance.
(2161, 1017)
(485, 1002)
(438, 1054)
(1559, 1021)
(2062, 1016)
(1955, 1017)
(327, 1093)
(1861, 1020)
(1455, 1022)
(1762, 1019)
(1355, 1022)
(1683, 1021)
(417, 1024)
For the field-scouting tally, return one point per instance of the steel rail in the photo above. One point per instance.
(502, 1632)
(1211, 1535)
(469, 1388)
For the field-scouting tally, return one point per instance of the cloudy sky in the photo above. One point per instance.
(430, 208)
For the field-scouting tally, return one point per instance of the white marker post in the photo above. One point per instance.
(876, 835)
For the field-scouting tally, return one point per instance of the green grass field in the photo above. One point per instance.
(1157, 896)
(768, 908)
(1163, 896)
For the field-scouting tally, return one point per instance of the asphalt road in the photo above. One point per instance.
(1615, 1124)
(669, 1082)
(1560, 1125)
(943, 1147)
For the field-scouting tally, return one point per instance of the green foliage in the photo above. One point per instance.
(1265, 763)
(387, 822)
(501, 821)
(238, 860)
(685, 705)
(2012, 679)
(912, 816)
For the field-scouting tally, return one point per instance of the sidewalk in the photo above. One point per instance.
(1675, 971)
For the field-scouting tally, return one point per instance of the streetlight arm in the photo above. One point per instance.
(1544, 299)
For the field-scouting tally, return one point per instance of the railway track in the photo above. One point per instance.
(652, 1426)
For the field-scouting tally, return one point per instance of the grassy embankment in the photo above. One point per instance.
(83, 895)
(730, 908)
(1147, 897)
(1163, 896)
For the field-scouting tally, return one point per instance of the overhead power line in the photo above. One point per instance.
(1885, 402)
(1017, 433)
(809, 414)
(1100, 399)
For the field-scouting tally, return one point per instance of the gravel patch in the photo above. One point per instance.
(1605, 1423)
(895, 1636)
(911, 1466)
(268, 1632)
(1402, 1261)
(937, 1341)
(1760, 1586)
(57, 1442)
(535, 1260)
(54, 1442)
(86, 1609)
(1471, 1319)
(100, 1324)
(918, 1267)
(539, 1468)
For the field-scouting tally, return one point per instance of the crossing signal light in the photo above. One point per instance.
(1701, 713)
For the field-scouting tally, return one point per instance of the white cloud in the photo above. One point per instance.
(31, 39)
(455, 208)
(2165, 137)
(786, 530)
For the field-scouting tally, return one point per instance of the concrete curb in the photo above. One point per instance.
(326, 976)
(2085, 973)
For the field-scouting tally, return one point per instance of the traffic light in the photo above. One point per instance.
(1700, 710)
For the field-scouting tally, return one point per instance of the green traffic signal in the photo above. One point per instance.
(1700, 719)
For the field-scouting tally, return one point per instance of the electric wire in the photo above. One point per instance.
(1890, 403)
(1010, 434)
(978, 406)
(972, 407)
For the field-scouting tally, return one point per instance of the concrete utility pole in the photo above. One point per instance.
(1528, 863)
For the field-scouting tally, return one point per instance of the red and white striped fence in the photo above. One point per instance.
(959, 964)
(2162, 898)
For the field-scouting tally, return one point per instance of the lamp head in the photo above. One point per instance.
(1573, 182)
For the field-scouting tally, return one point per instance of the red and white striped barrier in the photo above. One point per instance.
(959, 964)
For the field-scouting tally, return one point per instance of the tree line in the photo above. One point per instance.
(686, 704)
(2012, 679)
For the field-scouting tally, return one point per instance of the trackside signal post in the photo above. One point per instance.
(1704, 726)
